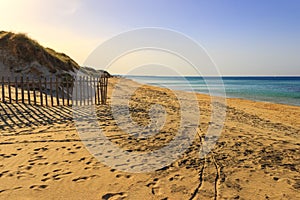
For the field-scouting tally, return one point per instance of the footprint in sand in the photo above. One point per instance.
(82, 159)
(123, 175)
(45, 179)
(3, 173)
(41, 149)
(38, 187)
(84, 178)
(17, 188)
(24, 175)
(43, 163)
(37, 158)
(155, 189)
(89, 162)
(8, 156)
(28, 167)
(175, 177)
(55, 177)
(2, 191)
(81, 178)
(112, 196)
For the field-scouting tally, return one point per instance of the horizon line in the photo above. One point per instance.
(209, 75)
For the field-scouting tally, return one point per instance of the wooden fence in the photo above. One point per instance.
(54, 91)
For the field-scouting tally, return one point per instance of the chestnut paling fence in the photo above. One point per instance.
(54, 91)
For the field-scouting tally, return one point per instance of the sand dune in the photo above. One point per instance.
(256, 157)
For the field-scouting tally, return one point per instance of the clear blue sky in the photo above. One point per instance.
(253, 37)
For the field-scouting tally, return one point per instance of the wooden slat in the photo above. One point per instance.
(41, 92)
(3, 89)
(63, 91)
(22, 89)
(16, 88)
(76, 90)
(105, 90)
(98, 90)
(80, 89)
(9, 90)
(87, 90)
(94, 91)
(68, 90)
(83, 90)
(34, 91)
(56, 91)
(101, 95)
(51, 92)
(28, 90)
(102, 90)
(45, 91)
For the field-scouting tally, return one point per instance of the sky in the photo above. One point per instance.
(249, 37)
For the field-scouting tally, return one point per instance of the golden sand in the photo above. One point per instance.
(256, 157)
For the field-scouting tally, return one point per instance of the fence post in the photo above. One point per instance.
(28, 90)
(75, 88)
(101, 90)
(80, 89)
(91, 90)
(46, 96)
(106, 85)
(94, 90)
(3, 90)
(16, 89)
(51, 91)
(83, 90)
(56, 91)
(63, 90)
(100, 82)
(98, 90)
(68, 90)
(22, 89)
(9, 89)
(87, 91)
(34, 91)
(41, 91)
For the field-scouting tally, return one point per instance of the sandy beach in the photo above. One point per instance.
(257, 155)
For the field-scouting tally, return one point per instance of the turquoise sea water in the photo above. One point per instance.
(285, 90)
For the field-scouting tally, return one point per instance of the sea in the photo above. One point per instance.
(283, 90)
